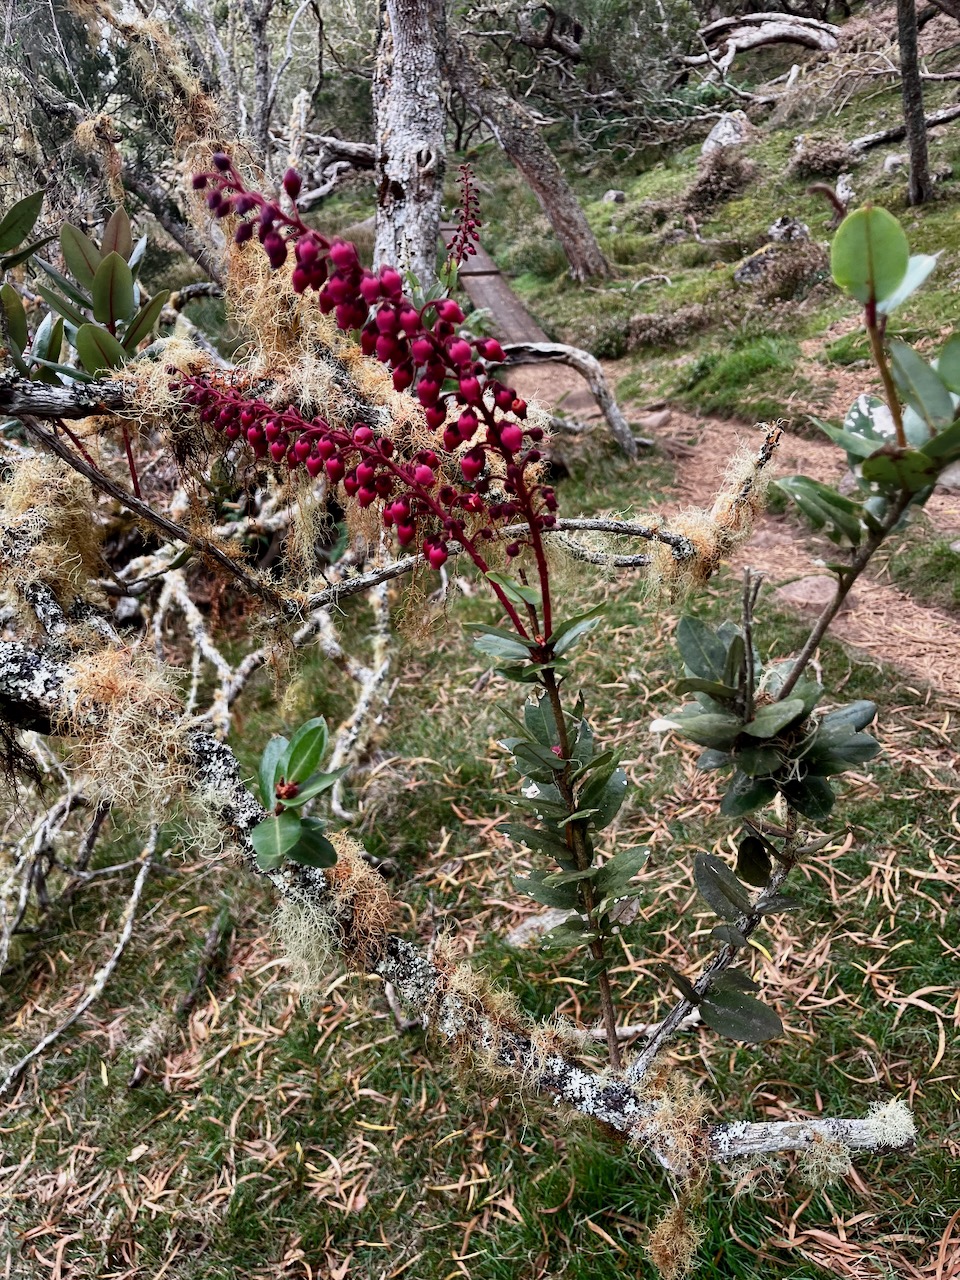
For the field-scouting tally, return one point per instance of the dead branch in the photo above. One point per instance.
(898, 131)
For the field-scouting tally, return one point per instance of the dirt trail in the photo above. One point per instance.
(880, 621)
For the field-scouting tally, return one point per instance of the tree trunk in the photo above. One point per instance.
(410, 103)
(515, 131)
(920, 184)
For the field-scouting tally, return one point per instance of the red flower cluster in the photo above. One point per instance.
(425, 351)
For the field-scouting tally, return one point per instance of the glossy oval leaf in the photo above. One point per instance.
(744, 794)
(921, 385)
(703, 652)
(719, 886)
(80, 254)
(98, 350)
(273, 837)
(768, 721)
(313, 849)
(948, 366)
(753, 861)
(270, 770)
(918, 268)
(112, 291)
(307, 748)
(869, 255)
(17, 223)
(315, 785)
(735, 1014)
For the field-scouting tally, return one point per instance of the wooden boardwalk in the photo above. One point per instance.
(485, 286)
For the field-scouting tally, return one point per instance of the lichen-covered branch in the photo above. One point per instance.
(465, 1012)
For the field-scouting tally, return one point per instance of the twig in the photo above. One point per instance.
(102, 976)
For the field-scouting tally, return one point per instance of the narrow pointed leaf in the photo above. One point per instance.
(142, 324)
(15, 315)
(112, 289)
(719, 886)
(17, 223)
(269, 771)
(80, 254)
(307, 748)
(12, 260)
(313, 849)
(116, 236)
(921, 385)
(62, 306)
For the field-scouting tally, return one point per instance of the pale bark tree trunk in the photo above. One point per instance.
(515, 131)
(920, 183)
(410, 105)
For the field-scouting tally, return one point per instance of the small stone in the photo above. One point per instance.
(787, 230)
(845, 192)
(655, 421)
(614, 197)
(848, 484)
(809, 593)
(894, 162)
(949, 479)
(955, 547)
(731, 130)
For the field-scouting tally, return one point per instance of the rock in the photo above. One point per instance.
(534, 927)
(655, 421)
(894, 162)
(955, 547)
(614, 197)
(731, 130)
(787, 230)
(949, 479)
(809, 593)
(848, 484)
(751, 270)
(845, 191)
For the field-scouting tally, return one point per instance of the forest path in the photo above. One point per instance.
(879, 620)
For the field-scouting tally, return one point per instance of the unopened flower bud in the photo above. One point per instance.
(221, 161)
(511, 437)
(292, 183)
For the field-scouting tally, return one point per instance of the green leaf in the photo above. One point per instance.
(112, 289)
(735, 1014)
(713, 759)
(17, 223)
(61, 305)
(11, 260)
(15, 315)
(735, 663)
(945, 446)
(614, 877)
(812, 796)
(571, 933)
(65, 370)
(759, 762)
(695, 684)
(66, 287)
(869, 255)
(729, 934)
(536, 762)
(570, 877)
(501, 646)
(307, 748)
(269, 771)
(919, 267)
(540, 721)
(605, 792)
(771, 904)
(703, 652)
(80, 254)
(98, 350)
(921, 385)
(824, 761)
(684, 985)
(708, 729)
(948, 366)
(857, 446)
(563, 896)
(135, 260)
(567, 633)
(48, 339)
(582, 751)
(826, 509)
(313, 849)
(484, 629)
(719, 886)
(273, 837)
(908, 470)
(515, 591)
(520, 674)
(771, 719)
(142, 324)
(744, 794)
(315, 785)
(838, 724)
(17, 360)
(537, 839)
(753, 861)
(116, 236)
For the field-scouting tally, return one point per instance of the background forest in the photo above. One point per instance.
(655, 185)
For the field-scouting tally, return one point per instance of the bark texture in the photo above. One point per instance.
(516, 133)
(410, 104)
(913, 117)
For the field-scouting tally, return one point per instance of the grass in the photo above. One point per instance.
(273, 1140)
